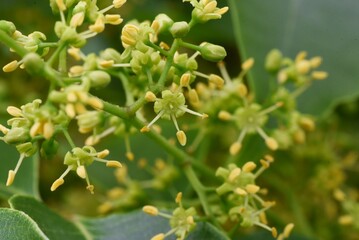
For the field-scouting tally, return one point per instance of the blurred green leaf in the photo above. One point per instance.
(138, 225)
(17, 225)
(327, 28)
(53, 225)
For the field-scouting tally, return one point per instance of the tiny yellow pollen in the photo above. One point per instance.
(90, 188)
(56, 184)
(224, 115)
(151, 210)
(104, 153)
(252, 188)
(10, 66)
(288, 229)
(248, 64)
(159, 236)
(272, 143)
(81, 171)
(14, 111)
(145, 129)
(10, 178)
(130, 156)
(112, 163)
(150, 96)
(234, 174)
(249, 166)
(179, 197)
(240, 191)
(181, 137)
(274, 232)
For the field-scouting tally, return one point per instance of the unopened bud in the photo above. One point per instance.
(212, 52)
(273, 60)
(181, 137)
(179, 29)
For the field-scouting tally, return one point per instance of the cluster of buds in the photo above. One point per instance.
(78, 159)
(81, 11)
(181, 220)
(30, 123)
(205, 10)
(244, 194)
(34, 42)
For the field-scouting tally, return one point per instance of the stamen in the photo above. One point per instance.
(270, 109)
(224, 73)
(147, 128)
(202, 115)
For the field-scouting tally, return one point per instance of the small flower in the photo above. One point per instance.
(181, 219)
(205, 10)
(78, 159)
(170, 107)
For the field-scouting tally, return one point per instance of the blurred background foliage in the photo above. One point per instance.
(304, 178)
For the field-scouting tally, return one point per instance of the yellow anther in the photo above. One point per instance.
(190, 220)
(159, 236)
(315, 62)
(235, 148)
(81, 171)
(56, 184)
(48, 130)
(118, 3)
(90, 188)
(104, 153)
(145, 129)
(319, 75)
(248, 64)
(249, 166)
(130, 156)
(240, 191)
(107, 63)
(301, 56)
(252, 188)
(234, 174)
(242, 90)
(264, 163)
(75, 53)
(181, 137)
(99, 25)
(61, 5)
(151, 210)
(224, 115)
(14, 111)
(193, 96)
(185, 79)
(179, 197)
(112, 163)
(216, 80)
(282, 76)
(77, 19)
(274, 232)
(345, 220)
(303, 66)
(4, 129)
(307, 123)
(114, 19)
(150, 96)
(10, 178)
(288, 229)
(272, 143)
(95, 102)
(339, 195)
(11, 66)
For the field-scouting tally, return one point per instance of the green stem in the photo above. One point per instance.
(237, 30)
(56, 54)
(11, 43)
(68, 138)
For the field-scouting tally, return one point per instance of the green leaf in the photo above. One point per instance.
(327, 28)
(138, 225)
(17, 225)
(52, 224)
(26, 180)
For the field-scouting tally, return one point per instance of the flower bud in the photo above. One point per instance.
(179, 29)
(98, 78)
(164, 21)
(34, 64)
(16, 135)
(212, 52)
(273, 60)
(7, 27)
